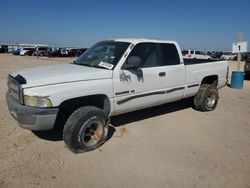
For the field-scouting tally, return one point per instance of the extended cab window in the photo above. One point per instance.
(198, 52)
(169, 54)
(148, 53)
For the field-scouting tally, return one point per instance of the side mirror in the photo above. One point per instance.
(132, 62)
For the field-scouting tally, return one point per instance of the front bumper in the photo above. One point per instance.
(31, 118)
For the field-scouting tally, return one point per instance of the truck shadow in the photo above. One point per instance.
(51, 135)
(147, 113)
(56, 134)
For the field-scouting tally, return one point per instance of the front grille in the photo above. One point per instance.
(14, 88)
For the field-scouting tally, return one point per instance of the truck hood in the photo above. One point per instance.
(62, 73)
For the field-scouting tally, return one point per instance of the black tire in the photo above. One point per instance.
(207, 98)
(85, 129)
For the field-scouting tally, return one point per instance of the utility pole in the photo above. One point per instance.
(240, 39)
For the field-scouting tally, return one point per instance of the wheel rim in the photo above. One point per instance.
(92, 134)
(211, 100)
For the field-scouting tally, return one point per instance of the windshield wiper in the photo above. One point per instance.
(88, 65)
(97, 66)
(82, 64)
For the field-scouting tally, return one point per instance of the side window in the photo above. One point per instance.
(198, 52)
(184, 52)
(169, 54)
(148, 53)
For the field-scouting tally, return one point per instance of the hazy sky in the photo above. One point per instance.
(206, 25)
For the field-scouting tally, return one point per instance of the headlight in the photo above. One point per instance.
(37, 101)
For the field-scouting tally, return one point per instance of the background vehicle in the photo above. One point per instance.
(27, 51)
(73, 52)
(80, 51)
(16, 51)
(227, 56)
(4, 49)
(57, 52)
(245, 56)
(216, 55)
(40, 51)
(111, 78)
(209, 53)
(76, 52)
(247, 68)
(30, 51)
(194, 54)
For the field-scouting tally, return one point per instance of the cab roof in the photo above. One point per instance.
(139, 40)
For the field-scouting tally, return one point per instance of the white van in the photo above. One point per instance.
(194, 54)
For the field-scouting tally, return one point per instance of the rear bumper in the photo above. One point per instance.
(31, 118)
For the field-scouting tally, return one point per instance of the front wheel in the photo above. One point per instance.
(85, 129)
(207, 98)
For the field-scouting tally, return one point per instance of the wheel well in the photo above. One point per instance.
(210, 80)
(66, 108)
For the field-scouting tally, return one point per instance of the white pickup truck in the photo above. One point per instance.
(112, 77)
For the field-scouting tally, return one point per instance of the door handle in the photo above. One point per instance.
(162, 74)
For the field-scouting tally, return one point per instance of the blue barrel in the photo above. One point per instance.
(237, 79)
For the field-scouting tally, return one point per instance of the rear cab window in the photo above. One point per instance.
(169, 54)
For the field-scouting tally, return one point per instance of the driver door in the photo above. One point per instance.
(142, 87)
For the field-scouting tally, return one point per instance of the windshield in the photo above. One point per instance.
(103, 55)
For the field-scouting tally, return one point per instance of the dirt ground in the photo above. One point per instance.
(168, 146)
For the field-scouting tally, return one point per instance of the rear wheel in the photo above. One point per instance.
(207, 98)
(85, 129)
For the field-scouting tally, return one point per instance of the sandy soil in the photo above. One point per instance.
(167, 146)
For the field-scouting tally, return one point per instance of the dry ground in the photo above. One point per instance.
(167, 146)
